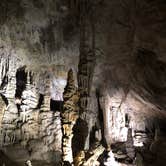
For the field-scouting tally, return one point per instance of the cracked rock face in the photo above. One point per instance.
(116, 50)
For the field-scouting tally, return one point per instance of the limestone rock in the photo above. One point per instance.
(69, 116)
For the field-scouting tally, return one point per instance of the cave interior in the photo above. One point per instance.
(82, 83)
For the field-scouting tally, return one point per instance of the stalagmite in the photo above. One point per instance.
(130, 145)
(69, 117)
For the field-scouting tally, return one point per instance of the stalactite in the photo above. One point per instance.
(29, 98)
(69, 116)
(9, 64)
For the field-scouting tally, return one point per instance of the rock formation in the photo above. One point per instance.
(27, 128)
(69, 116)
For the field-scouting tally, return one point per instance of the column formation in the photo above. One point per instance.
(86, 62)
(45, 116)
(87, 55)
(46, 102)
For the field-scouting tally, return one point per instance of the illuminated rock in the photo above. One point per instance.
(69, 117)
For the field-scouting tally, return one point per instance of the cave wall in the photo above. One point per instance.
(118, 68)
(125, 33)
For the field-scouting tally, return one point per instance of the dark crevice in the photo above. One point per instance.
(92, 135)
(4, 99)
(80, 133)
(4, 82)
(21, 80)
(40, 101)
(56, 105)
(100, 118)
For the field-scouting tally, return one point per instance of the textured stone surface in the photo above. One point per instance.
(70, 115)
